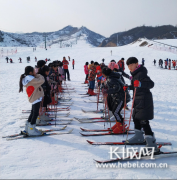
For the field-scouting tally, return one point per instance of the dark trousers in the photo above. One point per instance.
(34, 113)
(116, 109)
(145, 125)
(66, 71)
(92, 85)
(86, 77)
(73, 66)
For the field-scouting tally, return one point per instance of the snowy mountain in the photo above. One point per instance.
(68, 33)
(126, 37)
(70, 156)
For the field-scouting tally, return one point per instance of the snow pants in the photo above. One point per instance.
(34, 113)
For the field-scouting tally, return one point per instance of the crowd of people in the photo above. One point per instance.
(110, 80)
(168, 63)
(41, 82)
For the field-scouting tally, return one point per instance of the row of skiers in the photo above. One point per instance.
(94, 69)
(114, 88)
(168, 63)
(41, 83)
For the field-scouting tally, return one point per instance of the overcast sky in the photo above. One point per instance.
(101, 16)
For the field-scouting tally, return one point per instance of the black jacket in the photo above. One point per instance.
(143, 104)
(115, 89)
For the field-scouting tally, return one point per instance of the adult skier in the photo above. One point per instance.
(7, 59)
(65, 67)
(121, 64)
(73, 63)
(154, 62)
(143, 61)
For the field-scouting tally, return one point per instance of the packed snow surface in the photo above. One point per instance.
(69, 156)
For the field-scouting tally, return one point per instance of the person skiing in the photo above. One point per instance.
(91, 64)
(115, 97)
(102, 64)
(165, 64)
(154, 62)
(169, 64)
(98, 73)
(73, 63)
(143, 61)
(143, 103)
(61, 72)
(46, 87)
(7, 59)
(32, 82)
(112, 65)
(35, 59)
(174, 64)
(121, 64)
(20, 59)
(92, 75)
(86, 72)
(46, 60)
(11, 60)
(65, 67)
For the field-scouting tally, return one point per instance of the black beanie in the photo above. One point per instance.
(40, 63)
(106, 71)
(132, 60)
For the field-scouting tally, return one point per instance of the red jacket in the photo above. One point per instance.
(65, 64)
(121, 65)
(98, 71)
(86, 69)
(73, 62)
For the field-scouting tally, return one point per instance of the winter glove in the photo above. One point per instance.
(126, 88)
(137, 83)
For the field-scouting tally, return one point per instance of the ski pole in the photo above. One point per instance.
(108, 112)
(98, 97)
(124, 114)
(130, 115)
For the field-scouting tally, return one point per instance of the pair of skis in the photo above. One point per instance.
(23, 135)
(52, 116)
(92, 120)
(136, 155)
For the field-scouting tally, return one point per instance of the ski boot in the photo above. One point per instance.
(119, 128)
(88, 91)
(32, 131)
(40, 122)
(151, 142)
(137, 138)
(92, 93)
(44, 117)
(26, 126)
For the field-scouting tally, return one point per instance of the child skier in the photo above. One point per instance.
(115, 98)
(32, 82)
(143, 104)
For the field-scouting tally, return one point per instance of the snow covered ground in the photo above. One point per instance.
(70, 156)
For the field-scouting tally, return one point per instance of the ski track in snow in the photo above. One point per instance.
(70, 156)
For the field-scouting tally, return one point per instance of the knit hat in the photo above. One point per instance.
(40, 63)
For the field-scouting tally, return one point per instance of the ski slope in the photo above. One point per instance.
(70, 156)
